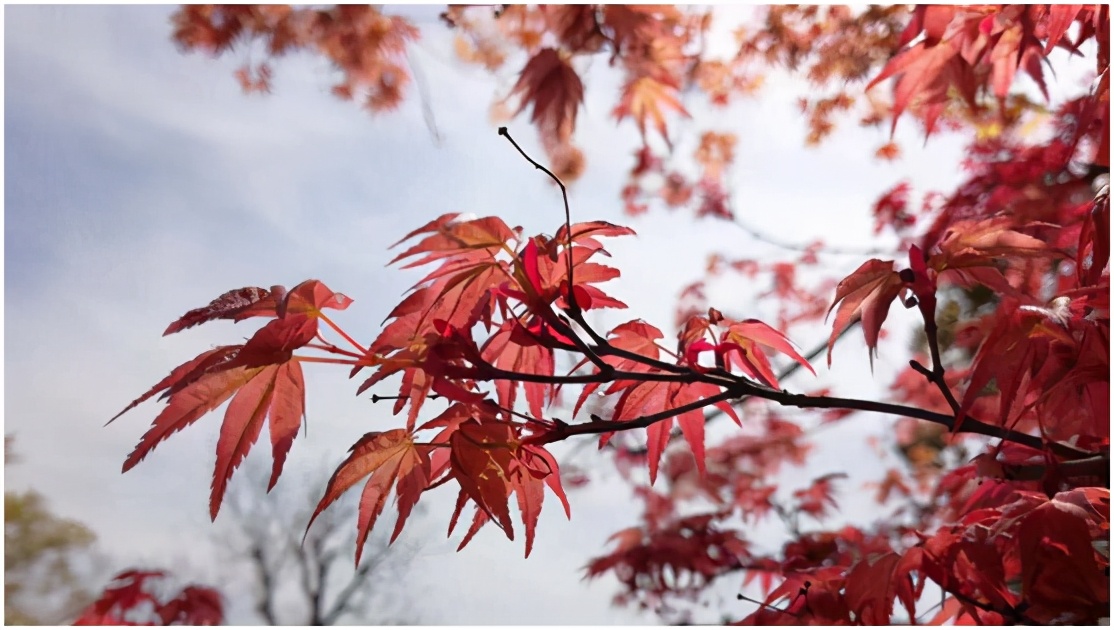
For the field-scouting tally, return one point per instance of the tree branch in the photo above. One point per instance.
(936, 374)
(265, 604)
(837, 251)
(340, 604)
(598, 425)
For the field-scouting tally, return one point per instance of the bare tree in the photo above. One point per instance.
(311, 581)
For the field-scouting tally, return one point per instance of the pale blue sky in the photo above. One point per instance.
(140, 183)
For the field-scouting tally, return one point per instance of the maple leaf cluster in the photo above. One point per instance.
(136, 597)
(367, 47)
(997, 489)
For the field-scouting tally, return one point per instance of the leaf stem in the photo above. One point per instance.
(325, 318)
(305, 359)
(328, 347)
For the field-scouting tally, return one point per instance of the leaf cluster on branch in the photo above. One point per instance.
(1009, 274)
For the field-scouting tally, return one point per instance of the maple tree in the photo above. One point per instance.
(1009, 274)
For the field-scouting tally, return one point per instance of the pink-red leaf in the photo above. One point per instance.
(189, 404)
(185, 374)
(276, 392)
(865, 295)
(235, 305)
(554, 89)
(646, 99)
(390, 457)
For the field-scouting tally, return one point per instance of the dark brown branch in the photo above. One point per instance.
(741, 597)
(266, 604)
(565, 329)
(743, 387)
(1096, 466)
(737, 387)
(491, 373)
(936, 375)
(318, 599)
(782, 375)
(598, 425)
(605, 349)
(970, 425)
(376, 397)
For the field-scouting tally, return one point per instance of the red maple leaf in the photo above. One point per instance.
(865, 295)
(393, 460)
(646, 99)
(554, 89)
(873, 584)
(263, 374)
(513, 348)
(490, 462)
(646, 398)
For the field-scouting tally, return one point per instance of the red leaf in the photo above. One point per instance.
(277, 392)
(391, 458)
(645, 99)
(189, 404)
(551, 85)
(194, 606)
(921, 73)
(511, 348)
(865, 295)
(1060, 17)
(646, 398)
(818, 497)
(585, 234)
(451, 238)
(275, 342)
(634, 336)
(1061, 576)
(236, 305)
(750, 333)
(978, 242)
(126, 592)
(1012, 354)
(308, 297)
(873, 583)
(481, 462)
(530, 493)
(185, 374)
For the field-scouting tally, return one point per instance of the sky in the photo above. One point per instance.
(141, 183)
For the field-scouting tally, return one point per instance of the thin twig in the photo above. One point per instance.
(837, 251)
(573, 307)
(744, 598)
(376, 397)
(423, 96)
(325, 318)
(568, 216)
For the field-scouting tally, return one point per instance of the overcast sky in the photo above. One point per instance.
(141, 183)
